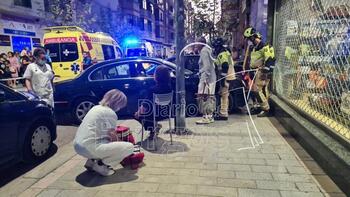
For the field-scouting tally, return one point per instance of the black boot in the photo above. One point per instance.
(219, 117)
(263, 114)
(254, 111)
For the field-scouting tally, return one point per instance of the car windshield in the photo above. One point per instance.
(63, 52)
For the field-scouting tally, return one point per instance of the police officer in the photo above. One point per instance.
(262, 57)
(224, 64)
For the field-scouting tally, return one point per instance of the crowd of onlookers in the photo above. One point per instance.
(13, 65)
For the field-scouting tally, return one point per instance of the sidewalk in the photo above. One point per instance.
(207, 163)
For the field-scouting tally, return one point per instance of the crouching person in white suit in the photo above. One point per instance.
(95, 138)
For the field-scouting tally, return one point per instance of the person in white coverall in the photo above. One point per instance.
(96, 139)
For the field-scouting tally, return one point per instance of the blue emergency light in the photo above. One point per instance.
(131, 41)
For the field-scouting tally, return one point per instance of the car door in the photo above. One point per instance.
(116, 76)
(11, 115)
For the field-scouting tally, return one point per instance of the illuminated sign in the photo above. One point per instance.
(60, 40)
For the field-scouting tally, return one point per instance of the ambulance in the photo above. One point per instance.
(67, 44)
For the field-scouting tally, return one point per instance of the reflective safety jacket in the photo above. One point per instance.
(224, 63)
(262, 56)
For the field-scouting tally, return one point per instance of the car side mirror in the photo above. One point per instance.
(2, 96)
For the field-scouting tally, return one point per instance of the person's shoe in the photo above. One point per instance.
(102, 169)
(263, 114)
(221, 118)
(151, 136)
(254, 111)
(89, 164)
(211, 120)
(203, 121)
(158, 128)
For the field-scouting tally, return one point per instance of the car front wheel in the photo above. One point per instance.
(38, 142)
(81, 108)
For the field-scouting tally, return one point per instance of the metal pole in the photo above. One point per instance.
(180, 109)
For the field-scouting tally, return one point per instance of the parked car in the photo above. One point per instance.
(27, 127)
(130, 75)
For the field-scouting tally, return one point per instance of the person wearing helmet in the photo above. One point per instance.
(262, 57)
(38, 77)
(226, 75)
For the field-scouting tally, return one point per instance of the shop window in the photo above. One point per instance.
(5, 40)
(23, 3)
(313, 60)
(36, 42)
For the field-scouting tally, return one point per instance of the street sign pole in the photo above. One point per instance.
(180, 124)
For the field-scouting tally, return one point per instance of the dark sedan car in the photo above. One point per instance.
(27, 127)
(130, 75)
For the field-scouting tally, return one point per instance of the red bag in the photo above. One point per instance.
(124, 134)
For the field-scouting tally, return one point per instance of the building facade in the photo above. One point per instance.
(155, 21)
(22, 21)
(21, 24)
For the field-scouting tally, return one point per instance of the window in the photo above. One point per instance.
(63, 52)
(157, 31)
(108, 52)
(19, 42)
(69, 52)
(149, 25)
(146, 69)
(36, 42)
(130, 19)
(118, 71)
(161, 18)
(151, 8)
(5, 40)
(144, 4)
(142, 24)
(23, 3)
(112, 72)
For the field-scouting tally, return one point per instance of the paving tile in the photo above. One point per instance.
(178, 188)
(307, 187)
(77, 193)
(234, 167)
(277, 162)
(49, 192)
(257, 192)
(258, 168)
(253, 175)
(217, 191)
(297, 170)
(17, 186)
(189, 180)
(110, 193)
(301, 194)
(160, 179)
(274, 185)
(207, 166)
(139, 187)
(217, 173)
(292, 177)
(263, 156)
(236, 183)
(31, 192)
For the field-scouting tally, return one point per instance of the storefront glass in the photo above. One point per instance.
(312, 45)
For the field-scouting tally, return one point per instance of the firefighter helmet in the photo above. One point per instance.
(218, 42)
(251, 32)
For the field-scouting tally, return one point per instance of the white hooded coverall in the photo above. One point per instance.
(93, 142)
